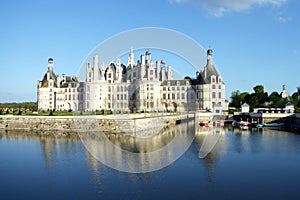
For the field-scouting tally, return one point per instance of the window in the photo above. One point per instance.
(173, 88)
(220, 95)
(164, 96)
(182, 88)
(134, 74)
(173, 96)
(220, 87)
(213, 86)
(66, 90)
(182, 96)
(213, 80)
(125, 96)
(109, 75)
(178, 96)
(117, 97)
(90, 74)
(151, 72)
(69, 97)
(118, 88)
(213, 95)
(69, 89)
(164, 88)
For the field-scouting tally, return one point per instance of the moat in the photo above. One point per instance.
(220, 163)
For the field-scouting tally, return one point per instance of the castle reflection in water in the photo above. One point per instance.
(133, 154)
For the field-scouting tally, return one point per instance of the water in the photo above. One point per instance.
(219, 164)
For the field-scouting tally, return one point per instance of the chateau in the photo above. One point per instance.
(144, 85)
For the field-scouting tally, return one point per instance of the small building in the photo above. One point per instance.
(289, 108)
(245, 108)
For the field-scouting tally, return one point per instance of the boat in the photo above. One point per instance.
(206, 123)
(274, 125)
(271, 125)
(244, 125)
(259, 125)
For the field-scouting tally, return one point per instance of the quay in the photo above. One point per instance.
(140, 125)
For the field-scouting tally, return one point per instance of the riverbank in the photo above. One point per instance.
(140, 125)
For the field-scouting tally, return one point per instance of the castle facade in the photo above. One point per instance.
(144, 85)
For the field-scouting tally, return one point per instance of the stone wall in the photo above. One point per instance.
(142, 125)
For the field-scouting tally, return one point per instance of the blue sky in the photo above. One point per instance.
(254, 41)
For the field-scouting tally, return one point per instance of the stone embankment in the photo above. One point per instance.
(132, 124)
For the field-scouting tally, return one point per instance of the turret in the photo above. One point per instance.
(50, 68)
(50, 64)
(209, 57)
(148, 57)
(131, 58)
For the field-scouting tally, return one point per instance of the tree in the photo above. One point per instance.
(275, 99)
(238, 98)
(259, 89)
(252, 100)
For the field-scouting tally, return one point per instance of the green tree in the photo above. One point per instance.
(252, 100)
(275, 99)
(235, 99)
(259, 89)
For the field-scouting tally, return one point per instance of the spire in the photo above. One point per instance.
(131, 57)
(210, 69)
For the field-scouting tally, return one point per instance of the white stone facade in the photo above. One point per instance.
(142, 86)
